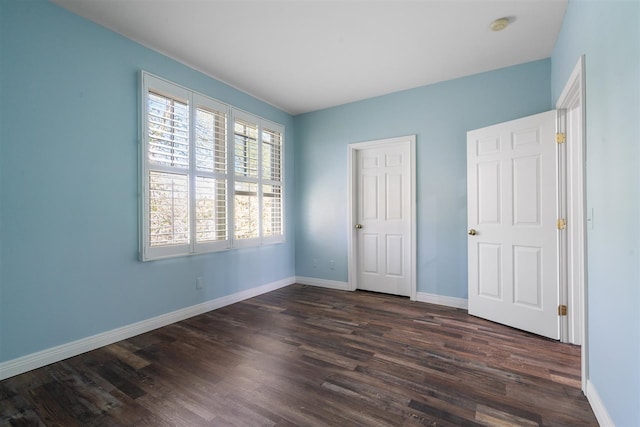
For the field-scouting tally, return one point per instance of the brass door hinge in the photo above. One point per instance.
(561, 137)
(561, 224)
(562, 310)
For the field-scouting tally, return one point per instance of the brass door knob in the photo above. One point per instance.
(472, 232)
(358, 226)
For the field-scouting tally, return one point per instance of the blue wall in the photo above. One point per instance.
(68, 164)
(440, 115)
(608, 33)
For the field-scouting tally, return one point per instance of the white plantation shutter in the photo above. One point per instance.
(211, 140)
(205, 169)
(246, 148)
(258, 186)
(272, 210)
(272, 206)
(246, 209)
(211, 209)
(246, 205)
(211, 178)
(168, 129)
(168, 209)
(165, 173)
(168, 141)
(271, 155)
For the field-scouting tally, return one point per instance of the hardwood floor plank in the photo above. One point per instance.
(441, 417)
(127, 356)
(15, 410)
(119, 378)
(491, 416)
(313, 357)
(49, 409)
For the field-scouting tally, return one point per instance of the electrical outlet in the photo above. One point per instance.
(199, 283)
(332, 264)
(315, 263)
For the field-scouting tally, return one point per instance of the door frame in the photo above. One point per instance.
(352, 151)
(574, 327)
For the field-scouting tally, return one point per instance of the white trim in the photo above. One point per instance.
(597, 405)
(55, 354)
(352, 167)
(561, 183)
(572, 99)
(323, 283)
(574, 83)
(442, 300)
(352, 204)
(414, 221)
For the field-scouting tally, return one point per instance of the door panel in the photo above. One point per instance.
(527, 276)
(489, 270)
(395, 255)
(383, 194)
(512, 205)
(370, 253)
(489, 201)
(369, 197)
(393, 200)
(526, 191)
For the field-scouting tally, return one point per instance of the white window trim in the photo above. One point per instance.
(195, 99)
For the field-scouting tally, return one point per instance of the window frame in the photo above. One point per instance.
(195, 101)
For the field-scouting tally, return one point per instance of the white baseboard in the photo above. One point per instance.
(323, 283)
(55, 354)
(600, 411)
(442, 300)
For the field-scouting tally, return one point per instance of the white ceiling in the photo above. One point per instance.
(308, 55)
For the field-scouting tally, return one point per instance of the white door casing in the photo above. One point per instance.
(382, 216)
(512, 206)
(571, 103)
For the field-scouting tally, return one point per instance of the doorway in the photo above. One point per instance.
(572, 216)
(382, 221)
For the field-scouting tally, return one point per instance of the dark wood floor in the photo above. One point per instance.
(312, 357)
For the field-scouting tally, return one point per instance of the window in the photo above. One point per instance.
(211, 175)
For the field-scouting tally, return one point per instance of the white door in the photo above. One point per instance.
(383, 217)
(512, 217)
